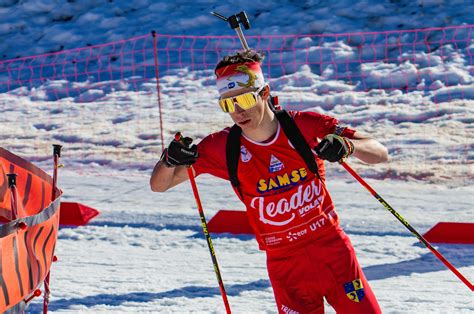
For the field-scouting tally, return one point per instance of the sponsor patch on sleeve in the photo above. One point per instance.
(354, 290)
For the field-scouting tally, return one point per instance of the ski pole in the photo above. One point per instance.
(56, 156)
(206, 233)
(234, 22)
(408, 226)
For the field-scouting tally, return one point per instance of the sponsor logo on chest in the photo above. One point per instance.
(280, 211)
(280, 181)
(245, 155)
(275, 165)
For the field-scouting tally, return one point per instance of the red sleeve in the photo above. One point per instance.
(212, 152)
(348, 132)
(315, 125)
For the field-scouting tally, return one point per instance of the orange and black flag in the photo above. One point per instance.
(25, 253)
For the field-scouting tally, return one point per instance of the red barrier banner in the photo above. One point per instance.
(451, 232)
(76, 214)
(27, 242)
(230, 221)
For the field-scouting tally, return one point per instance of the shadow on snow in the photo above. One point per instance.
(458, 255)
(145, 297)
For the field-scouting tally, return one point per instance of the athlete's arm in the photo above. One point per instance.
(163, 178)
(368, 150)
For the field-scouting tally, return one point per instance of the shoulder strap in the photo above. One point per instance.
(293, 133)
(233, 154)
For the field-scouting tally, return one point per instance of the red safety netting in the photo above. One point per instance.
(102, 102)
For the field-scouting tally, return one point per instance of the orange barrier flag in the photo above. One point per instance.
(27, 242)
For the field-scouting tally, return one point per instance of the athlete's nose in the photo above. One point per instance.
(237, 108)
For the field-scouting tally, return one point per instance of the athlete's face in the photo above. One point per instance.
(249, 119)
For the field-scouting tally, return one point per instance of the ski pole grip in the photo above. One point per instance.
(233, 21)
(57, 150)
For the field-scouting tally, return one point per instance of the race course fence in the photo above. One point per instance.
(117, 104)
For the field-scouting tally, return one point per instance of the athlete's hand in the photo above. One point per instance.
(180, 152)
(334, 148)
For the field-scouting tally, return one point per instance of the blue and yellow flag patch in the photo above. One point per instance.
(354, 290)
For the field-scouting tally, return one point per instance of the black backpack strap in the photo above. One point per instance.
(296, 138)
(233, 155)
(292, 132)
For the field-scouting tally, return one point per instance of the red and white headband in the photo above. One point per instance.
(239, 76)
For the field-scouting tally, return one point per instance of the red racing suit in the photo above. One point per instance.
(290, 210)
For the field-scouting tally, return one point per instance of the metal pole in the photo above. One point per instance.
(158, 91)
(242, 38)
(234, 22)
(56, 156)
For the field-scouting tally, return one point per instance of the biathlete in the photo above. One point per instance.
(309, 257)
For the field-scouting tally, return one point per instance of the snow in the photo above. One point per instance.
(142, 254)
(145, 253)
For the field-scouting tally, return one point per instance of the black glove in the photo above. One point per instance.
(334, 148)
(180, 153)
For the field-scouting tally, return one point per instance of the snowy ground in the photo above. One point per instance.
(145, 253)
(115, 124)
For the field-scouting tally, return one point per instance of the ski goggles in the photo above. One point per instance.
(244, 101)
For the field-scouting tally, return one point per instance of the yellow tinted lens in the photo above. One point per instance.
(246, 101)
(227, 105)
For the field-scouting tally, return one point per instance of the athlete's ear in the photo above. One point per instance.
(265, 93)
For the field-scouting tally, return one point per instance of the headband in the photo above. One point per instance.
(239, 76)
